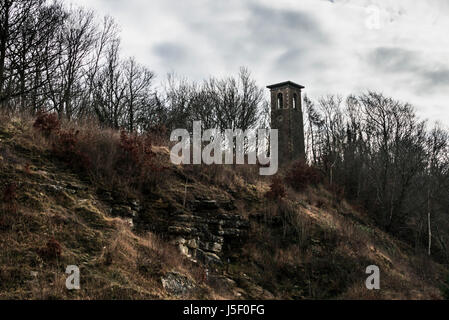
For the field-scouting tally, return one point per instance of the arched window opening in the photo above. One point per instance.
(280, 101)
(295, 101)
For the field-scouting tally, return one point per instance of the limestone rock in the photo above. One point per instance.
(123, 211)
(177, 284)
(204, 230)
(193, 243)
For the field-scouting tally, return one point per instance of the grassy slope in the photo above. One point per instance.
(307, 246)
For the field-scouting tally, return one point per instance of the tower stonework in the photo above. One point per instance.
(286, 116)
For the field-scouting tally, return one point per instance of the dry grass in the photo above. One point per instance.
(119, 265)
(114, 262)
(307, 245)
(310, 239)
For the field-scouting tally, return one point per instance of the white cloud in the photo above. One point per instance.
(324, 45)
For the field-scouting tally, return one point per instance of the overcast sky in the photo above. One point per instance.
(398, 47)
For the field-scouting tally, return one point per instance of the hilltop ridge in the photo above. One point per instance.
(154, 238)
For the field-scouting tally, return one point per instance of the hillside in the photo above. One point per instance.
(156, 244)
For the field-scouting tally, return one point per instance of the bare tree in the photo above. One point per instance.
(138, 90)
(27, 30)
(76, 41)
(110, 89)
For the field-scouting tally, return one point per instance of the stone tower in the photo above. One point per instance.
(286, 116)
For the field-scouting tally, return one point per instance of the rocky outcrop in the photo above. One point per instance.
(204, 231)
(208, 231)
(120, 206)
(177, 284)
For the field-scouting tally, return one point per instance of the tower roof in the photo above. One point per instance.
(285, 83)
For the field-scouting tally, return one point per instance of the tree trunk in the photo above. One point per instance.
(4, 35)
(428, 224)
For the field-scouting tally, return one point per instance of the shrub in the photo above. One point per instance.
(159, 134)
(302, 175)
(52, 250)
(5, 222)
(137, 150)
(338, 192)
(27, 168)
(277, 189)
(9, 197)
(109, 159)
(47, 123)
(66, 148)
(445, 289)
(137, 160)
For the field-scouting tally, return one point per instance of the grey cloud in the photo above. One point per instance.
(263, 24)
(394, 59)
(170, 52)
(302, 41)
(397, 60)
(439, 77)
(285, 27)
(298, 34)
(291, 34)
